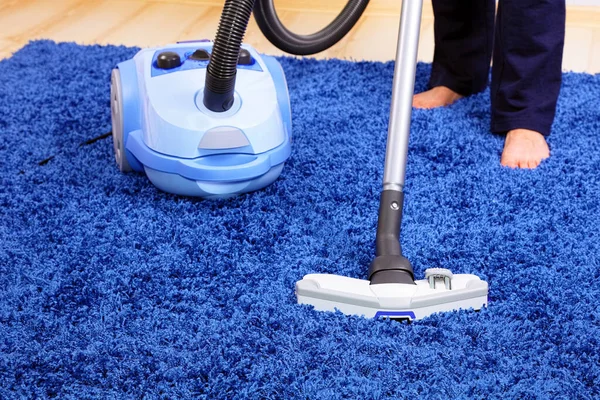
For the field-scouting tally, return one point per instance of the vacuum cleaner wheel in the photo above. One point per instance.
(116, 110)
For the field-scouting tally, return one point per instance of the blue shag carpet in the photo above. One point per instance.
(112, 289)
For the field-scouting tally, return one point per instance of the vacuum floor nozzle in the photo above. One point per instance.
(441, 291)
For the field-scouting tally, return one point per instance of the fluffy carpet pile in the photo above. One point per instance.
(112, 289)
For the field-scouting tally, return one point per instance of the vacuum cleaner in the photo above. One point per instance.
(203, 118)
(213, 119)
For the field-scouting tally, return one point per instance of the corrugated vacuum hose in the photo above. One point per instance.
(270, 25)
(220, 77)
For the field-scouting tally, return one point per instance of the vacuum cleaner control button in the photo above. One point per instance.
(200, 55)
(245, 58)
(168, 60)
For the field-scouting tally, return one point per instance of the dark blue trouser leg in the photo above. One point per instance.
(527, 70)
(464, 33)
(527, 54)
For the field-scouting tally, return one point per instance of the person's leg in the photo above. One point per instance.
(463, 31)
(526, 77)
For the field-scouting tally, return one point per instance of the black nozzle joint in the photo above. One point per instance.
(218, 92)
(390, 266)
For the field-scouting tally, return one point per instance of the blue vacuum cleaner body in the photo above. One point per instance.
(212, 119)
(162, 127)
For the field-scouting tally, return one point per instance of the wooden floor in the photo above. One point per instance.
(158, 22)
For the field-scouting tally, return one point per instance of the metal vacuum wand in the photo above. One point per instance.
(390, 266)
(391, 290)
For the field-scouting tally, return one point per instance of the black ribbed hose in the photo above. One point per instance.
(221, 72)
(222, 68)
(302, 45)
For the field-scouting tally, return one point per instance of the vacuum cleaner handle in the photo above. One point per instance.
(390, 266)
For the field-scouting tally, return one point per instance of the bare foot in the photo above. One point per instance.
(439, 96)
(524, 149)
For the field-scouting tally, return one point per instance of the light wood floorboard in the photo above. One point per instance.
(145, 23)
